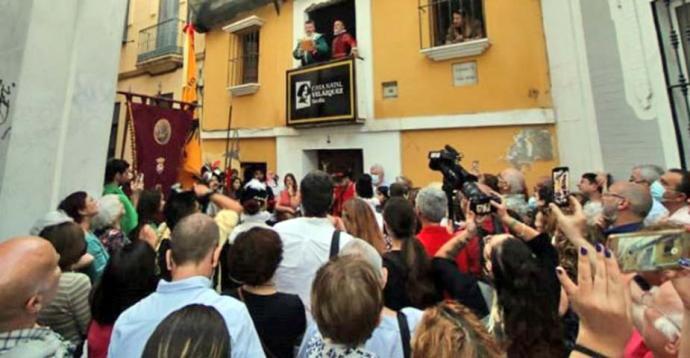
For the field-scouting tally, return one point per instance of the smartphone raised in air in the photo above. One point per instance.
(561, 185)
(650, 250)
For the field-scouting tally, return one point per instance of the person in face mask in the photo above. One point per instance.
(673, 191)
(646, 175)
(378, 176)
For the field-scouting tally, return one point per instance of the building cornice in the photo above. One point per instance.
(522, 117)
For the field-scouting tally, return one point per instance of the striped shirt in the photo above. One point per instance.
(69, 313)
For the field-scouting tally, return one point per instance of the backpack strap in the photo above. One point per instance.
(404, 333)
(335, 244)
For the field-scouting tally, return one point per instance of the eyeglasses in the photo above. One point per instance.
(614, 195)
(638, 181)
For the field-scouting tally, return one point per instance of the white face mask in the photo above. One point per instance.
(375, 178)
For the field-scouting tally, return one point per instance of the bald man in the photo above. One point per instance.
(625, 206)
(192, 258)
(29, 276)
(511, 183)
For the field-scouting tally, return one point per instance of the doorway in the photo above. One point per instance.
(348, 161)
(325, 14)
(248, 168)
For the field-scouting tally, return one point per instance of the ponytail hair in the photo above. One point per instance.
(401, 220)
(419, 284)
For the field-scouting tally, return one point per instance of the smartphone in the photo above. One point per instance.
(561, 185)
(650, 250)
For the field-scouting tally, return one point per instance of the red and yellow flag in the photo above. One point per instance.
(191, 160)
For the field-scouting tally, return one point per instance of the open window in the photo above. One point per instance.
(243, 66)
(324, 15)
(452, 28)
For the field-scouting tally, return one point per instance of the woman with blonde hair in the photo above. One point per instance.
(360, 221)
(450, 329)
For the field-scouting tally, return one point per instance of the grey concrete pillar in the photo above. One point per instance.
(60, 61)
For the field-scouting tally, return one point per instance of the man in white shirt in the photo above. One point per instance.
(309, 241)
(676, 192)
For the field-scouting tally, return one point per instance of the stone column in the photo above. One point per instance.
(58, 67)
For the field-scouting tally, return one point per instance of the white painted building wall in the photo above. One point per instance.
(64, 59)
(612, 108)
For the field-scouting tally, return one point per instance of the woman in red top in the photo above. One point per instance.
(129, 277)
(288, 204)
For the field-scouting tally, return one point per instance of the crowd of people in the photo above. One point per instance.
(339, 266)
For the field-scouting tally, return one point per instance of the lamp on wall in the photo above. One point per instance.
(328, 139)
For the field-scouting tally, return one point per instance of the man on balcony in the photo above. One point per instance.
(464, 28)
(312, 48)
(344, 44)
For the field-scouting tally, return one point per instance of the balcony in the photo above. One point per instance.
(452, 29)
(160, 47)
(323, 94)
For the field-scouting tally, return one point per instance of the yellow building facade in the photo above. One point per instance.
(150, 60)
(487, 95)
(413, 91)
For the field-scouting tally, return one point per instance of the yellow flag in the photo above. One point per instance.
(191, 160)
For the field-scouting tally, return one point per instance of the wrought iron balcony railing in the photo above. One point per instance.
(162, 39)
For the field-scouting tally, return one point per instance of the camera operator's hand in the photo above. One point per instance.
(452, 247)
(470, 218)
(501, 209)
(602, 301)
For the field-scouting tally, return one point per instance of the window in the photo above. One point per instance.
(243, 66)
(452, 22)
(249, 57)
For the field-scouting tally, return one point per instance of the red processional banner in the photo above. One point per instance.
(159, 137)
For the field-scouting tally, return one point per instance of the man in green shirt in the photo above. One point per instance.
(312, 48)
(118, 173)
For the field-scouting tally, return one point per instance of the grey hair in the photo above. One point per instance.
(639, 197)
(362, 249)
(668, 325)
(649, 172)
(378, 166)
(432, 204)
(109, 211)
(515, 180)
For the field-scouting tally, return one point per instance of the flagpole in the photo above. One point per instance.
(228, 160)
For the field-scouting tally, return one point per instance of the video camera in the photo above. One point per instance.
(455, 177)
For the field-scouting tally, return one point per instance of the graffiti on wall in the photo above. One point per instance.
(5, 103)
